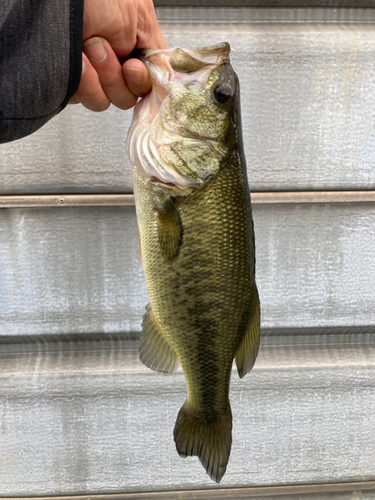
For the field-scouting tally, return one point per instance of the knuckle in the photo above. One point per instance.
(110, 81)
(102, 106)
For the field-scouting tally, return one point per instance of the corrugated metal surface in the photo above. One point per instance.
(86, 421)
(79, 414)
(77, 270)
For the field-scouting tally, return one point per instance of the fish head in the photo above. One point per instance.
(183, 131)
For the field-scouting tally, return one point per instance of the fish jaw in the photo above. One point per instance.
(157, 136)
(174, 65)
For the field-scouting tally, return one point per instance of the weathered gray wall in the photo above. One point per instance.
(77, 270)
(79, 414)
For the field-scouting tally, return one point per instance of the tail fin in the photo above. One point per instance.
(211, 442)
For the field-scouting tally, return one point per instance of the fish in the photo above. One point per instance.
(196, 239)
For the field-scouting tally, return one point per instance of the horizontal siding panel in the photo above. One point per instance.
(89, 422)
(308, 96)
(77, 270)
(70, 271)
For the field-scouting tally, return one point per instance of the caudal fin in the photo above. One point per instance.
(211, 442)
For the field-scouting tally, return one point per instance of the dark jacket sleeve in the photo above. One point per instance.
(40, 62)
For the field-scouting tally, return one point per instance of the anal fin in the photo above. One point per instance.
(154, 351)
(248, 348)
(169, 228)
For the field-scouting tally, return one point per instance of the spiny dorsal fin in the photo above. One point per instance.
(248, 349)
(211, 442)
(154, 351)
(169, 229)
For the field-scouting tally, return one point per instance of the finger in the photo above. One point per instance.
(149, 35)
(109, 71)
(73, 100)
(90, 92)
(137, 77)
(132, 24)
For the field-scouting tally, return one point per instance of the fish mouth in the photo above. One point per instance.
(186, 60)
(166, 65)
(176, 65)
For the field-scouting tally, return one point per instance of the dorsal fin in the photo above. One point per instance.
(248, 349)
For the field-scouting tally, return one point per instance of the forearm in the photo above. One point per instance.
(40, 62)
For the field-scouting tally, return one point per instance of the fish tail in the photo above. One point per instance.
(211, 442)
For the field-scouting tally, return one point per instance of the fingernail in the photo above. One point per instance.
(95, 50)
(134, 75)
(83, 65)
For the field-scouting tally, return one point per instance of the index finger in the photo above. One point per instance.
(149, 35)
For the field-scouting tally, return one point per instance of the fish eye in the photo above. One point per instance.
(222, 93)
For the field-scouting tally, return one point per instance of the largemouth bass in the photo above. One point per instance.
(196, 240)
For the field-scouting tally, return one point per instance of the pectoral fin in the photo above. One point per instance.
(248, 348)
(169, 228)
(154, 351)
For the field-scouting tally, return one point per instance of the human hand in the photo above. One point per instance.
(112, 29)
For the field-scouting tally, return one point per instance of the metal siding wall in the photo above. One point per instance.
(77, 270)
(85, 421)
(79, 413)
